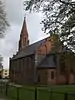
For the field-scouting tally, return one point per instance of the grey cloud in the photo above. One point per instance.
(9, 45)
(14, 10)
(34, 27)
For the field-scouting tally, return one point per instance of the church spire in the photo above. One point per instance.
(24, 41)
(24, 28)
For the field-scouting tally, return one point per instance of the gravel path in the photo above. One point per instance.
(2, 99)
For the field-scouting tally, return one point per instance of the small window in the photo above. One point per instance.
(38, 78)
(54, 58)
(62, 68)
(29, 63)
(52, 74)
(36, 59)
(5, 73)
(25, 40)
(5, 70)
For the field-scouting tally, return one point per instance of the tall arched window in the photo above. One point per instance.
(52, 74)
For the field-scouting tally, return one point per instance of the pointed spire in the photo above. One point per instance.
(25, 16)
(24, 28)
(24, 41)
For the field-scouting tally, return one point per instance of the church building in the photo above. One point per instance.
(38, 63)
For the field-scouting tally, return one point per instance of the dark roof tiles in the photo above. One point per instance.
(28, 50)
(48, 62)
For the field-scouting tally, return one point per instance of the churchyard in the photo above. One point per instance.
(54, 92)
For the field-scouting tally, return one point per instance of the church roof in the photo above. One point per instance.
(28, 50)
(48, 62)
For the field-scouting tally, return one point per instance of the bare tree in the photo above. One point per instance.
(3, 20)
(1, 59)
(3, 26)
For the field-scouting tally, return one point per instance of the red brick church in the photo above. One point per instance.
(38, 63)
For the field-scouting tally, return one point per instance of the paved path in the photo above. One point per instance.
(2, 97)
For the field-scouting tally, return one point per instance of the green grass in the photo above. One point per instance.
(26, 93)
(43, 92)
(12, 92)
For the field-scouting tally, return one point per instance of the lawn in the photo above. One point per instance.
(43, 93)
(58, 92)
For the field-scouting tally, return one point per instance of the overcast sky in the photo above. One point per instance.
(15, 15)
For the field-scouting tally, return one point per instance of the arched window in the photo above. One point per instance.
(52, 74)
(38, 78)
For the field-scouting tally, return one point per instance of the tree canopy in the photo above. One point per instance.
(3, 19)
(58, 17)
(1, 59)
(3, 25)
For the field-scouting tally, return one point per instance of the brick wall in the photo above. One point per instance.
(44, 48)
(61, 79)
(42, 75)
(72, 78)
(45, 76)
(49, 79)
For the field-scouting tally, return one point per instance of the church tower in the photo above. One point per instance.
(24, 41)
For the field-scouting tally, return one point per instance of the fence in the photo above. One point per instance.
(33, 93)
